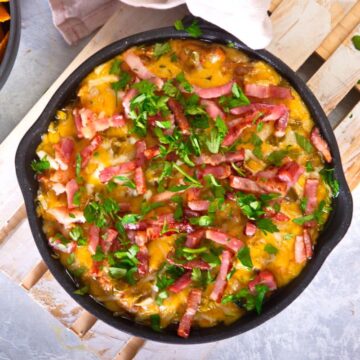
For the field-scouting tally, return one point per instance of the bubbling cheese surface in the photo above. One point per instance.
(167, 150)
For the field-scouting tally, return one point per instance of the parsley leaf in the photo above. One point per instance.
(304, 143)
(40, 165)
(115, 67)
(328, 175)
(217, 135)
(276, 157)
(161, 49)
(266, 225)
(82, 291)
(155, 322)
(193, 30)
(237, 99)
(309, 167)
(244, 257)
(270, 249)
(204, 220)
(125, 181)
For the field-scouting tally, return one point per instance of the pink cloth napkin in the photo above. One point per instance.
(77, 18)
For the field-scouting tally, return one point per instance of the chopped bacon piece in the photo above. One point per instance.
(213, 92)
(141, 225)
(164, 196)
(250, 229)
(230, 242)
(307, 244)
(199, 205)
(193, 303)
(140, 69)
(66, 248)
(180, 117)
(193, 239)
(107, 239)
(220, 283)
(267, 91)
(290, 173)
(218, 171)
(162, 219)
(64, 151)
(264, 277)
(310, 193)
(192, 264)
(245, 184)
(88, 123)
(281, 124)
(153, 232)
(152, 152)
(63, 176)
(65, 216)
(300, 251)
(124, 207)
(182, 283)
(88, 151)
(235, 131)
(320, 144)
(127, 100)
(193, 194)
(94, 238)
(143, 257)
(71, 188)
(279, 216)
(217, 159)
(108, 173)
(140, 148)
(268, 173)
(212, 109)
(140, 180)
(273, 186)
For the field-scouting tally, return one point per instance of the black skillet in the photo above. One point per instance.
(14, 25)
(333, 232)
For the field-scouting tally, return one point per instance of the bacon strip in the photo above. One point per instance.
(66, 216)
(143, 254)
(320, 144)
(267, 91)
(108, 173)
(310, 193)
(218, 171)
(182, 283)
(250, 229)
(307, 244)
(217, 159)
(264, 277)
(140, 181)
(88, 151)
(126, 101)
(88, 123)
(212, 109)
(230, 242)
(57, 244)
(192, 264)
(150, 153)
(213, 92)
(300, 251)
(107, 239)
(245, 184)
(199, 205)
(193, 303)
(235, 131)
(220, 283)
(71, 188)
(180, 117)
(193, 239)
(140, 148)
(290, 173)
(94, 239)
(140, 69)
(64, 151)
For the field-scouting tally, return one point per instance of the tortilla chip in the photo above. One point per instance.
(3, 44)
(4, 15)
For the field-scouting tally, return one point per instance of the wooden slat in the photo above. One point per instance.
(11, 224)
(337, 75)
(300, 26)
(18, 255)
(130, 349)
(273, 5)
(348, 137)
(83, 323)
(340, 32)
(34, 275)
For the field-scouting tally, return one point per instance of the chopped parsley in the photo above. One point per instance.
(217, 135)
(82, 291)
(161, 49)
(244, 256)
(277, 156)
(41, 165)
(193, 30)
(328, 175)
(237, 99)
(155, 322)
(125, 181)
(271, 249)
(304, 143)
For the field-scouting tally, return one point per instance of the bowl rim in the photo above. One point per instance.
(12, 47)
(335, 229)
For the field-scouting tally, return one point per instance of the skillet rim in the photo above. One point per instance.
(336, 227)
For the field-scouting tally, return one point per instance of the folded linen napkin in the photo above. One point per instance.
(246, 19)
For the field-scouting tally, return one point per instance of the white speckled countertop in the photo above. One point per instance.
(323, 323)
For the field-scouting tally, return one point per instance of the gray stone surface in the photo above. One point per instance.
(323, 323)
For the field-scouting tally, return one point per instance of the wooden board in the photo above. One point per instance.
(315, 24)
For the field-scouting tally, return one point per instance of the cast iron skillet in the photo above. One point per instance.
(335, 228)
(12, 47)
